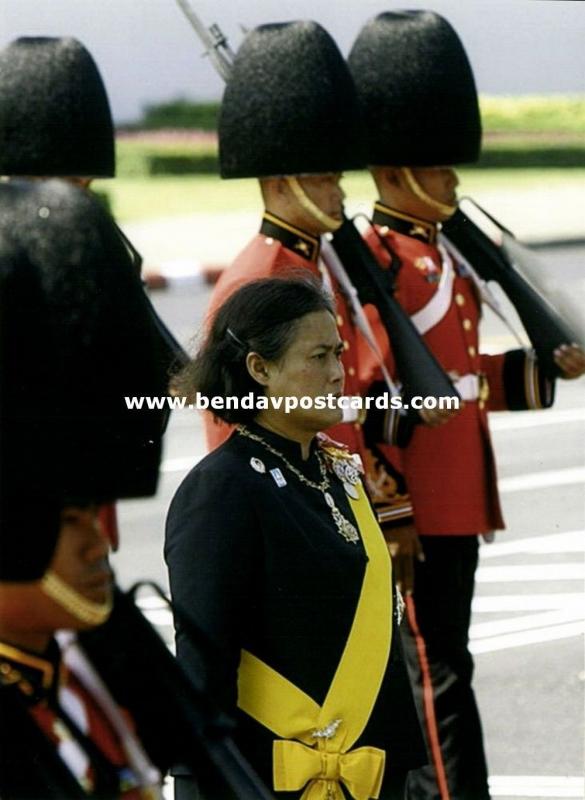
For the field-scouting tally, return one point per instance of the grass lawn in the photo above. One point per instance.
(134, 199)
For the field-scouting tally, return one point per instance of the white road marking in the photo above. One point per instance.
(486, 636)
(566, 542)
(507, 641)
(542, 786)
(542, 480)
(500, 422)
(527, 602)
(517, 483)
(518, 420)
(531, 572)
(562, 614)
(482, 630)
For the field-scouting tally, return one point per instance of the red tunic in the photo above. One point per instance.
(267, 256)
(450, 470)
(60, 701)
(97, 728)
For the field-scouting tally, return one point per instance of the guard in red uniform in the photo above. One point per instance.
(60, 125)
(65, 724)
(417, 90)
(76, 335)
(104, 712)
(297, 133)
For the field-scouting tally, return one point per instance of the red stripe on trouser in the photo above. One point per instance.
(428, 701)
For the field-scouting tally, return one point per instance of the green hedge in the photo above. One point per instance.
(536, 114)
(205, 162)
(187, 164)
(519, 132)
(178, 114)
(532, 155)
(137, 158)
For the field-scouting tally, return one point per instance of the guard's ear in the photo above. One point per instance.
(258, 368)
(281, 187)
(393, 176)
(385, 177)
(268, 189)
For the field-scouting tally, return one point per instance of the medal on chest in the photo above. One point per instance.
(344, 467)
(349, 476)
(427, 267)
(344, 526)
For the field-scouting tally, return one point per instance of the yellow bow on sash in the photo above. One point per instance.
(321, 757)
(295, 764)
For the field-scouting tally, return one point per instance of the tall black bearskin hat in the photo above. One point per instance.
(78, 335)
(55, 118)
(417, 91)
(290, 106)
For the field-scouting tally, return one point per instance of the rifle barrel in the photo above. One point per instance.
(214, 40)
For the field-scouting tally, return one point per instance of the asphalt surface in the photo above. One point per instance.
(527, 632)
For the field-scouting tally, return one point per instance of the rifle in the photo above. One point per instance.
(215, 41)
(177, 721)
(419, 370)
(496, 255)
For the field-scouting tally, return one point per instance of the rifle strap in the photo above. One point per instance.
(333, 264)
(76, 660)
(433, 312)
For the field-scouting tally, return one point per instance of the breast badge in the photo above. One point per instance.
(429, 269)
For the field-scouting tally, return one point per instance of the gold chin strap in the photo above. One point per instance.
(417, 189)
(81, 608)
(329, 223)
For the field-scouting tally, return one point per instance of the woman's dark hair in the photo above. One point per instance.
(261, 317)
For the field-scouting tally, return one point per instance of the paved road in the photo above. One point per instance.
(528, 615)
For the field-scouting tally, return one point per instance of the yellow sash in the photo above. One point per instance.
(323, 760)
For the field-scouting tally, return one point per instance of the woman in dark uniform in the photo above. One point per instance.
(274, 553)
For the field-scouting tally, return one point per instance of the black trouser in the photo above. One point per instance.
(435, 638)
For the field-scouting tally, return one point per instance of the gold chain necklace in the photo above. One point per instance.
(344, 526)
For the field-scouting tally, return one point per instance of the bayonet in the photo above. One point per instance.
(214, 40)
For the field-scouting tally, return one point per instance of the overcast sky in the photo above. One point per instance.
(147, 52)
